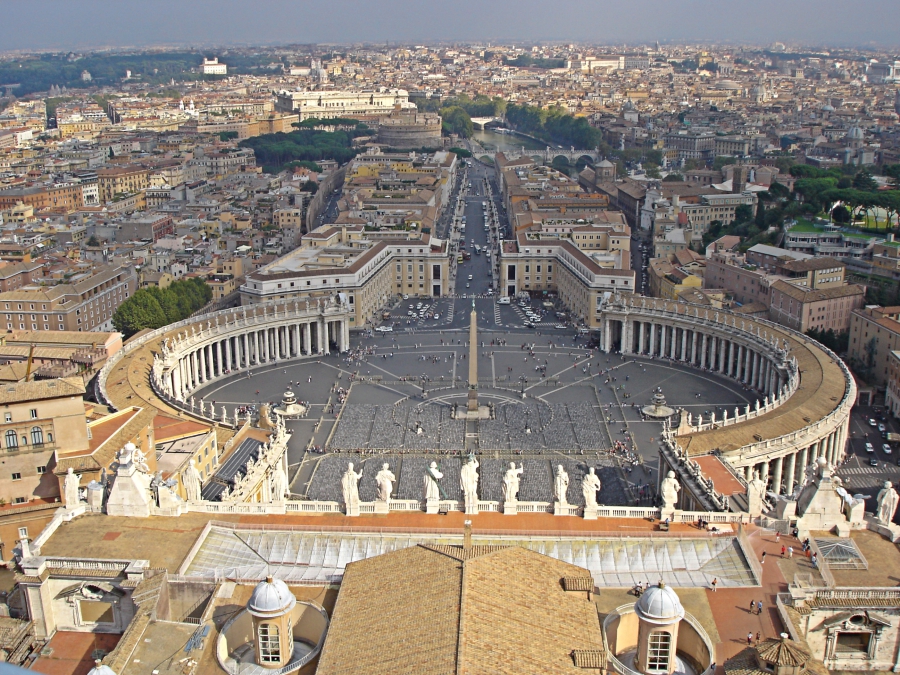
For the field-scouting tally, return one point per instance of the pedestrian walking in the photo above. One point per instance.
(715, 582)
(749, 639)
(764, 557)
(783, 549)
(759, 607)
(757, 637)
(790, 552)
(752, 605)
(778, 536)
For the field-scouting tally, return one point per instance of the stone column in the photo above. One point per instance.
(730, 358)
(627, 336)
(791, 470)
(652, 339)
(257, 355)
(640, 349)
(764, 474)
(832, 455)
(776, 478)
(605, 334)
(201, 360)
(723, 364)
(307, 331)
(754, 357)
(297, 350)
(703, 352)
(748, 367)
(804, 462)
(246, 342)
(662, 340)
(229, 362)
(748, 473)
(221, 367)
(684, 344)
(345, 328)
(693, 347)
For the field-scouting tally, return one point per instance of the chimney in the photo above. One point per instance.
(467, 535)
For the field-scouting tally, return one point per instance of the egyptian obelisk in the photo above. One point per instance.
(473, 360)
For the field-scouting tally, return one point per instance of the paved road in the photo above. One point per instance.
(858, 473)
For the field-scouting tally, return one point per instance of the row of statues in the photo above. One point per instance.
(468, 483)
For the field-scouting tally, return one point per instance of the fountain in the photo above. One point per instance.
(290, 408)
(658, 408)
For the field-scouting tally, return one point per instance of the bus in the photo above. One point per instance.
(477, 249)
(459, 258)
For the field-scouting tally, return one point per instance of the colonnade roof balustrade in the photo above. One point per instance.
(124, 380)
(826, 387)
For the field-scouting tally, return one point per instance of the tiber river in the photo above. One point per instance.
(491, 140)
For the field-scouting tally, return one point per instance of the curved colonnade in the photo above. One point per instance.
(191, 354)
(808, 391)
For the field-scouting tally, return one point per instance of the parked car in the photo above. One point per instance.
(872, 423)
(870, 447)
(886, 448)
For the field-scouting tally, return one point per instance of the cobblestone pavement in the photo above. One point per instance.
(577, 402)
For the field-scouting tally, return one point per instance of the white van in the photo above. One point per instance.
(503, 301)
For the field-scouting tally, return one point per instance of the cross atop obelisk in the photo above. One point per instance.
(473, 360)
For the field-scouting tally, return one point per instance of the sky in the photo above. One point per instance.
(87, 24)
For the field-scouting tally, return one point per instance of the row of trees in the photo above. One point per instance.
(553, 124)
(154, 307)
(277, 151)
(856, 197)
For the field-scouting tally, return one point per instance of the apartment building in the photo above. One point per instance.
(536, 262)
(86, 300)
(120, 180)
(369, 267)
(64, 196)
(822, 308)
(690, 144)
(874, 334)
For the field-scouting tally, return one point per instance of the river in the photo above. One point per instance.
(491, 140)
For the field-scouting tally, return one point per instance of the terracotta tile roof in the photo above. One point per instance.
(501, 610)
(41, 389)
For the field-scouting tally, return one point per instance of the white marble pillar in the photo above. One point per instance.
(640, 349)
(307, 332)
(791, 471)
(662, 340)
(296, 329)
(229, 362)
(652, 339)
(764, 474)
(684, 344)
(693, 348)
(776, 478)
(257, 356)
(804, 462)
(246, 342)
(730, 358)
(220, 363)
(703, 351)
(345, 328)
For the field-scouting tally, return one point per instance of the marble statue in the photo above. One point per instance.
(887, 503)
(468, 483)
(669, 490)
(140, 460)
(350, 486)
(590, 484)
(432, 476)
(70, 487)
(561, 486)
(384, 481)
(279, 484)
(756, 494)
(511, 482)
(191, 481)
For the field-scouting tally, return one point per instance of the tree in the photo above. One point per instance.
(461, 152)
(892, 171)
(652, 170)
(840, 214)
(673, 178)
(863, 181)
(457, 121)
(140, 311)
(743, 213)
(93, 241)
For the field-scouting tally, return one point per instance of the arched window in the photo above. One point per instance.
(269, 646)
(658, 652)
(12, 440)
(37, 436)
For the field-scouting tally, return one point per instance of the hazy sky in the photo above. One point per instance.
(69, 24)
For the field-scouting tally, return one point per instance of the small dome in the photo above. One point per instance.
(100, 669)
(827, 108)
(270, 598)
(727, 85)
(659, 604)
(855, 133)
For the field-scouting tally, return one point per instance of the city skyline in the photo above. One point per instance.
(95, 24)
